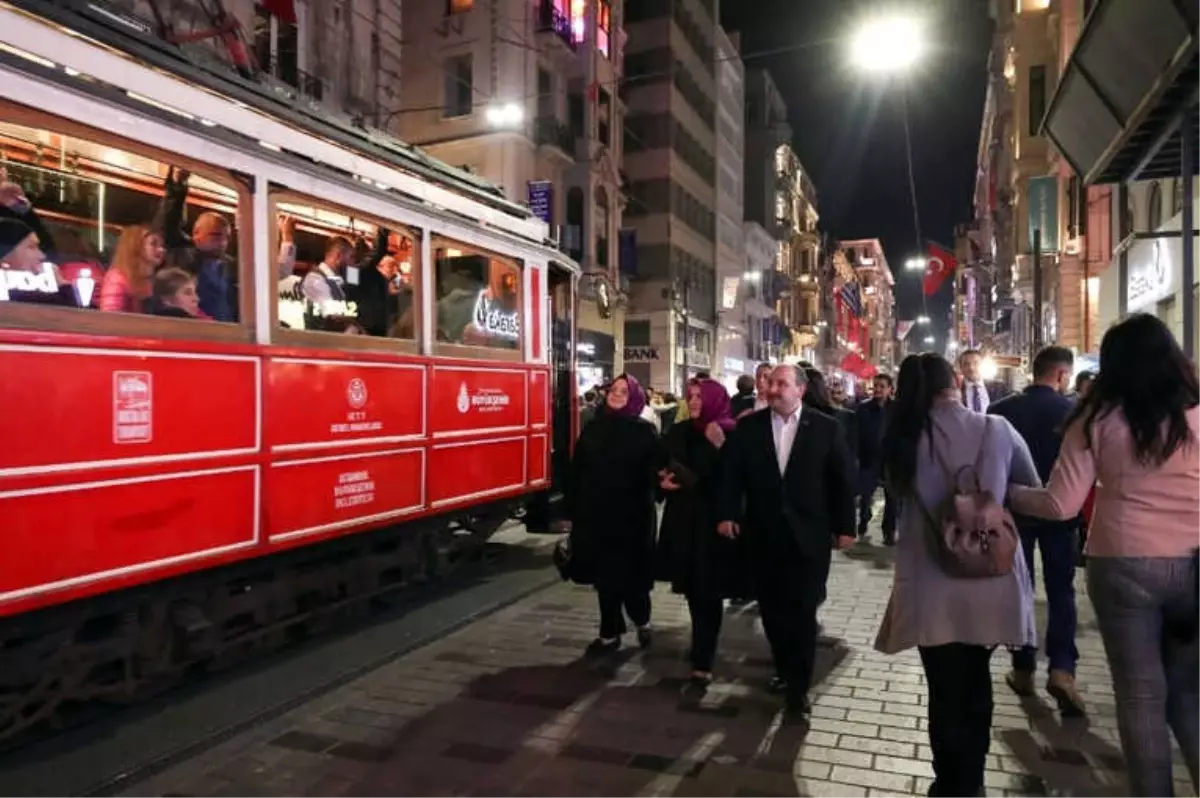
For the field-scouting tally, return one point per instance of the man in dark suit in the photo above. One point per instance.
(1038, 414)
(786, 488)
(872, 424)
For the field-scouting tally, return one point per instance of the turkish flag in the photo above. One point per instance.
(941, 265)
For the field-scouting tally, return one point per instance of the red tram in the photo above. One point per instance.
(175, 491)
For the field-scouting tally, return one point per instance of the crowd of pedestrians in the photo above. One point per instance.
(759, 489)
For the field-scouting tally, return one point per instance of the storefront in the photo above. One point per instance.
(594, 359)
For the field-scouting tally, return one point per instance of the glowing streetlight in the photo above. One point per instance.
(922, 320)
(914, 265)
(929, 339)
(988, 368)
(508, 115)
(888, 44)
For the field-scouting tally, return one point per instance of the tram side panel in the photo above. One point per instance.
(345, 443)
(123, 465)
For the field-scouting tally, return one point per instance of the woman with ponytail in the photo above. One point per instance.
(698, 562)
(955, 623)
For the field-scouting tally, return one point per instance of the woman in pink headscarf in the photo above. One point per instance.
(699, 563)
(610, 501)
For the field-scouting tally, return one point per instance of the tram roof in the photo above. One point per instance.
(134, 36)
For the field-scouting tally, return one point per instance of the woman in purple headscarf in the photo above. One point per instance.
(611, 507)
(699, 563)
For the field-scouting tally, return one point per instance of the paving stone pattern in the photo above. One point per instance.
(507, 707)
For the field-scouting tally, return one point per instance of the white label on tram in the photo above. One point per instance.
(485, 400)
(43, 282)
(353, 489)
(133, 407)
(498, 323)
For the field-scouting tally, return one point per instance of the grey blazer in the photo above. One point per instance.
(927, 607)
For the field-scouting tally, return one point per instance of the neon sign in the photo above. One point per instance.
(494, 322)
(43, 282)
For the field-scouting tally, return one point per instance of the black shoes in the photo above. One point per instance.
(645, 636)
(777, 685)
(601, 647)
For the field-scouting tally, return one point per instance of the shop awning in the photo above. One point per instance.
(1116, 115)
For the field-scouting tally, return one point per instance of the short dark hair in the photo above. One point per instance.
(761, 366)
(745, 383)
(967, 353)
(168, 281)
(1084, 376)
(1050, 358)
(885, 377)
(703, 375)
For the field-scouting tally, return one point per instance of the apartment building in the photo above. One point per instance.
(522, 93)
(862, 285)
(669, 95)
(731, 352)
(1023, 185)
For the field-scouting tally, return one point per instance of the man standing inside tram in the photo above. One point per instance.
(1038, 414)
(204, 255)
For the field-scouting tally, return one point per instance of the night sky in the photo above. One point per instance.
(848, 125)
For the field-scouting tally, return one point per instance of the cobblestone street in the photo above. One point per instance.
(506, 706)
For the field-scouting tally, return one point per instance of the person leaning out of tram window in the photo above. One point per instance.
(203, 254)
(128, 283)
(612, 512)
(699, 563)
(1135, 436)
(175, 295)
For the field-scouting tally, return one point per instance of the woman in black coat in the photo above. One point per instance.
(698, 562)
(611, 507)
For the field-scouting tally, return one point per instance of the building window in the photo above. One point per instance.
(458, 86)
(603, 118)
(575, 114)
(1037, 98)
(545, 84)
(604, 27)
(1155, 210)
(459, 6)
(601, 223)
(276, 46)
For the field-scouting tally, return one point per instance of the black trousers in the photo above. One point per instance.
(612, 620)
(707, 613)
(960, 715)
(790, 591)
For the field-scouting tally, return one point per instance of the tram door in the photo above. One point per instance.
(547, 507)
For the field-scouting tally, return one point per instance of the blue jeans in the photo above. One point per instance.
(1140, 603)
(1057, 542)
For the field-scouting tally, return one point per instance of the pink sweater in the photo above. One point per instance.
(1141, 511)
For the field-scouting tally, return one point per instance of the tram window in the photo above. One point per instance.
(88, 225)
(478, 300)
(343, 274)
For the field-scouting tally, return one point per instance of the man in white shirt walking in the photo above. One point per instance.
(786, 488)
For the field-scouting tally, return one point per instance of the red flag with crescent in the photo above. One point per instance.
(941, 265)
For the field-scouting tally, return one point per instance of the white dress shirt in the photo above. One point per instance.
(316, 285)
(784, 429)
(970, 391)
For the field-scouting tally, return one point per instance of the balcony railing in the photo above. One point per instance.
(549, 131)
(551, 20)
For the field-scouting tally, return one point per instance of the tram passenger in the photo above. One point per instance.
(176, 295)
(612, 514)
(15, 205)
(204, 253)
(326, 282)
(40, 282)
(128, 282)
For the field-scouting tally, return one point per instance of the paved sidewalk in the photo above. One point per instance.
(506, 707)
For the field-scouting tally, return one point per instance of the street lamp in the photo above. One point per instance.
(914, 265)
(922, 320)
(929, 339)
(888, 44)
(508, 115)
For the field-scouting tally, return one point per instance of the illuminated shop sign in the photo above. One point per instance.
(496, 322)
(43, 282)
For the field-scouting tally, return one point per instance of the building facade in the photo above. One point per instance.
(731, 357)
(671, 164)
(799, 256)
(523, 94)
(774, 190)
(1023, 186)
(862, 339)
